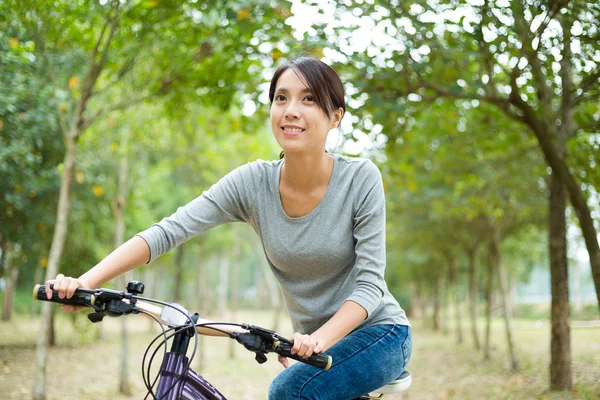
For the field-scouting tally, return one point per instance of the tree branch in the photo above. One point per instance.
(567, 126)
(522, 29)
(586, 84)
(124, 70)
(78, 123)
(122, 106)
(554, 9)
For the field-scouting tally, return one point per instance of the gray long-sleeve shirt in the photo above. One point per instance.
(333, 254)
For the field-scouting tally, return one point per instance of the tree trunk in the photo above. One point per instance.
(473, 298)
(235, 279)
(424, 302)
(118, 207)
(150, 291)
(488, 309)
(37, 277)
(223, 287)
(560, 342)
(11, 276)
(496, 261)
(58, 242)
(416, 302)
(178, 289)
(459, 325)
(445, 308)
(453, 291)
(202, 285)
(437, 295)
(124, 384)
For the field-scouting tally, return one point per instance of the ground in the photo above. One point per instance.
(81, 367)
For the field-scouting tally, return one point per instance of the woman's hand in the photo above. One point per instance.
(65, 286)
(305, 346)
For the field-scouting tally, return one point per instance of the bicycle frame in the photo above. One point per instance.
(192, 387)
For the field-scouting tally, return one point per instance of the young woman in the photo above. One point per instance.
(321, 220)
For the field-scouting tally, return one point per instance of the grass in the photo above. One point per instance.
(80, 367)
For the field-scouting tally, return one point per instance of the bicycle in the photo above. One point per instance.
(176, 380)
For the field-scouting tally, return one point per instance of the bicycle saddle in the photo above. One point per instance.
(399, 385)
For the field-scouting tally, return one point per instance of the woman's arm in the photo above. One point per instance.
(129, 255)
(344, 321)
(348, 317)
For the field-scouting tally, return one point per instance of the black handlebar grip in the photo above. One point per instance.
(322, 361)
(78, 299)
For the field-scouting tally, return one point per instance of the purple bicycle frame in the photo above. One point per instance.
(193, 386)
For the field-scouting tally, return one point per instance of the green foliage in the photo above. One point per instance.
(30, 149)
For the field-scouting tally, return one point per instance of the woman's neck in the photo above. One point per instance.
(306, 172)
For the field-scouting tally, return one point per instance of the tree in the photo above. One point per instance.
(519, 57)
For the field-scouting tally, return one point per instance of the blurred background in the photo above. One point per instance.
(483, 116)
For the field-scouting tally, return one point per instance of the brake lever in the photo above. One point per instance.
(266, 333)
(110, 303)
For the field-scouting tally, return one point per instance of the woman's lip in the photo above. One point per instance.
(290, 133)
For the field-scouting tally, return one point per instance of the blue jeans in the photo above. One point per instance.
(363, 361)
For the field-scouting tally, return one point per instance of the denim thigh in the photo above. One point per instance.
(363, 361)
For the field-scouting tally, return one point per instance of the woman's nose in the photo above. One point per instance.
(291, 111)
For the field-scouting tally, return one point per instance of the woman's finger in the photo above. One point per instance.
(283, 360)
(298, 340)
(47, 288)
(73, 285)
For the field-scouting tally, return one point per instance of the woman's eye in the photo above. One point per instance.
(309, 98)
(280, 97)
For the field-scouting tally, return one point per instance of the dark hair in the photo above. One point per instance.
(323, 82)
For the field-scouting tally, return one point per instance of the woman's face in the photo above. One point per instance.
(299, 125)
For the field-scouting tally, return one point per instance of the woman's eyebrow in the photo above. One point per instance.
(284, 90)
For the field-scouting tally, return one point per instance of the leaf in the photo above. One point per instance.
(243, 14)
(13, 43)
(98, 190)
(276, 54)
(73, 82)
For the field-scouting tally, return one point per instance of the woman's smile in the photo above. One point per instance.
(292, 130)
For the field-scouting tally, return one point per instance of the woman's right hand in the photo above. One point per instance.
(66, 286)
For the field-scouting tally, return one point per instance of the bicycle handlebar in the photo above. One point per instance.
(114, 303)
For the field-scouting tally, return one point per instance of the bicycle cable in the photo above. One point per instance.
(183, 327)
(164, 334)
(175, 331)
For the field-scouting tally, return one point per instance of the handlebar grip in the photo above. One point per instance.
(322, 361)
(78, 299)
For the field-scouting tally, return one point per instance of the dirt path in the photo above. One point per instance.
(440, 369)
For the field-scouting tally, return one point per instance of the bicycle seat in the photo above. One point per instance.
(399, 385)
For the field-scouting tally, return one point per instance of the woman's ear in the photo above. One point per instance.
(337, 117)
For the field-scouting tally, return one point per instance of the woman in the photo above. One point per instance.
(321, 220)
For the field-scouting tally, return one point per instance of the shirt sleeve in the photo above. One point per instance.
(228, 200)
(369, 236)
